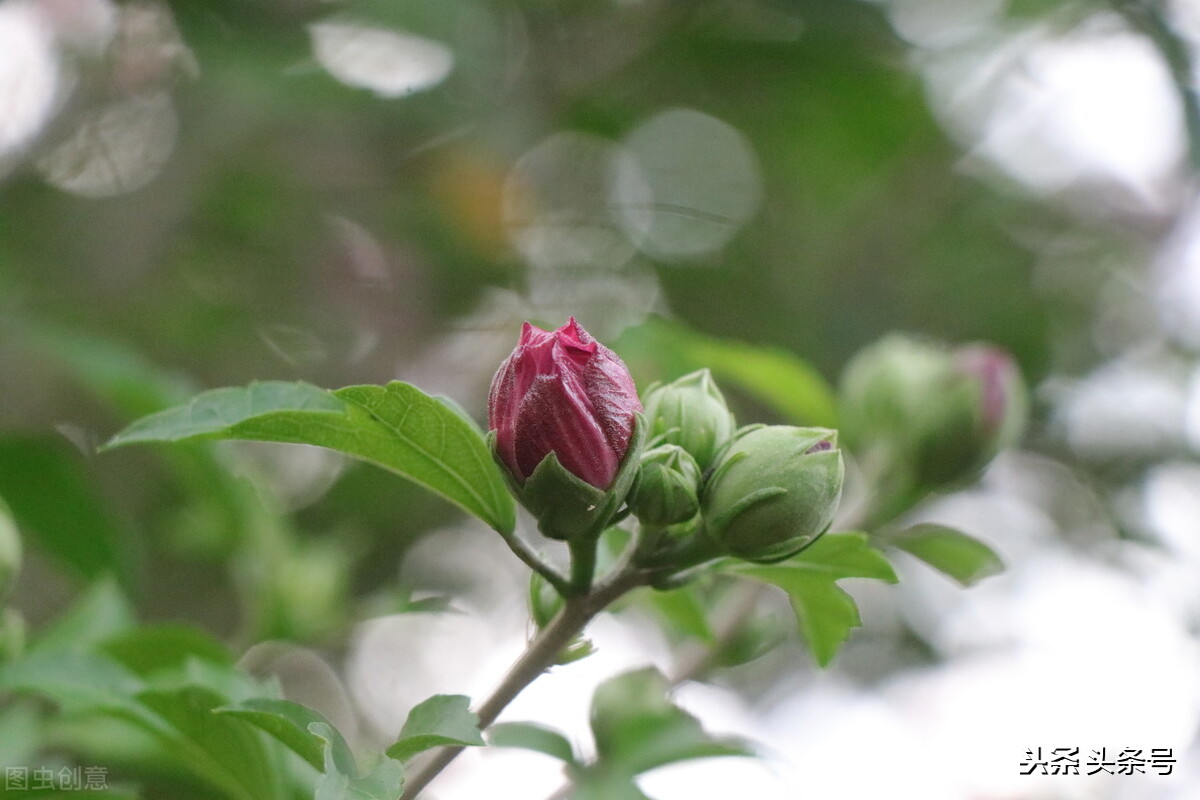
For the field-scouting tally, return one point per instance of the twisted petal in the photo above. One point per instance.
(563, 392)
(553, 418)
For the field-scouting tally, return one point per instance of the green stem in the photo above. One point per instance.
(534, 562)
(650, 538)
(693, 663)
(583, 564)
(694, 549)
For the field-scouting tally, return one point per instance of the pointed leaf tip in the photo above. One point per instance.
(444, 719)
(952, 552)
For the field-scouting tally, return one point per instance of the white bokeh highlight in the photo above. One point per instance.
(942, 23)
(115, 149)
(30, 80)
(1055, 110)
(1129, 408)
(557, 205)
(390, 63)
(1177, 290)
(690, 184)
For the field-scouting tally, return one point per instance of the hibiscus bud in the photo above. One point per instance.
(1001, 402)
(690, 412)
(774, 491)
(931, 416)
(666, 487)
(564, 419)
(563, 392)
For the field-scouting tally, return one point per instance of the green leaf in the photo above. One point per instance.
(341, 781)
(579, 649)
(447, 454)
(224, 679)
(532, 736)
(826, 614)
(222, 750)
(118, 374)
(214, 412)
(225, 753)
(150, 649)
(292, 724)
(100, 613)
(777, 377)
(53, 496)
(442, 719)
(684, 612)
(604, 785)
(843, 555)
(962, 557)
(77, 681)
(637, 728)
(20, 727)
(397, 427)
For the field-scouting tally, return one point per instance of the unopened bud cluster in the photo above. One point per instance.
(568, 429)
(764, 492)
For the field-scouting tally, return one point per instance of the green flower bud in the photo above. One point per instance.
(666, 489)
(690, 412)
(10, 552)
(930, 415)
(774, 491)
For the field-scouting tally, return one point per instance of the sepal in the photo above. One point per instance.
(565, 506)
(774, 491)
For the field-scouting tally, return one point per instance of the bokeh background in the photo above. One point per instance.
(206, 192)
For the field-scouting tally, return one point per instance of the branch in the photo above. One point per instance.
(534, 562)
(538, 657)
(695, 662)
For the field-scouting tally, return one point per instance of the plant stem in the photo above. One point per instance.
(695, 662)
(694, 549)
(583, 563)
(539, 656)
(534, 562)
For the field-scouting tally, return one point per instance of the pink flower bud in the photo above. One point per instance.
(996, 374)
(563, 392)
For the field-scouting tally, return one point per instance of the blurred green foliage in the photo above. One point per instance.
(238, 261)
(306, 230)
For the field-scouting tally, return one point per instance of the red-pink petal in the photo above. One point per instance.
(563, 392)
